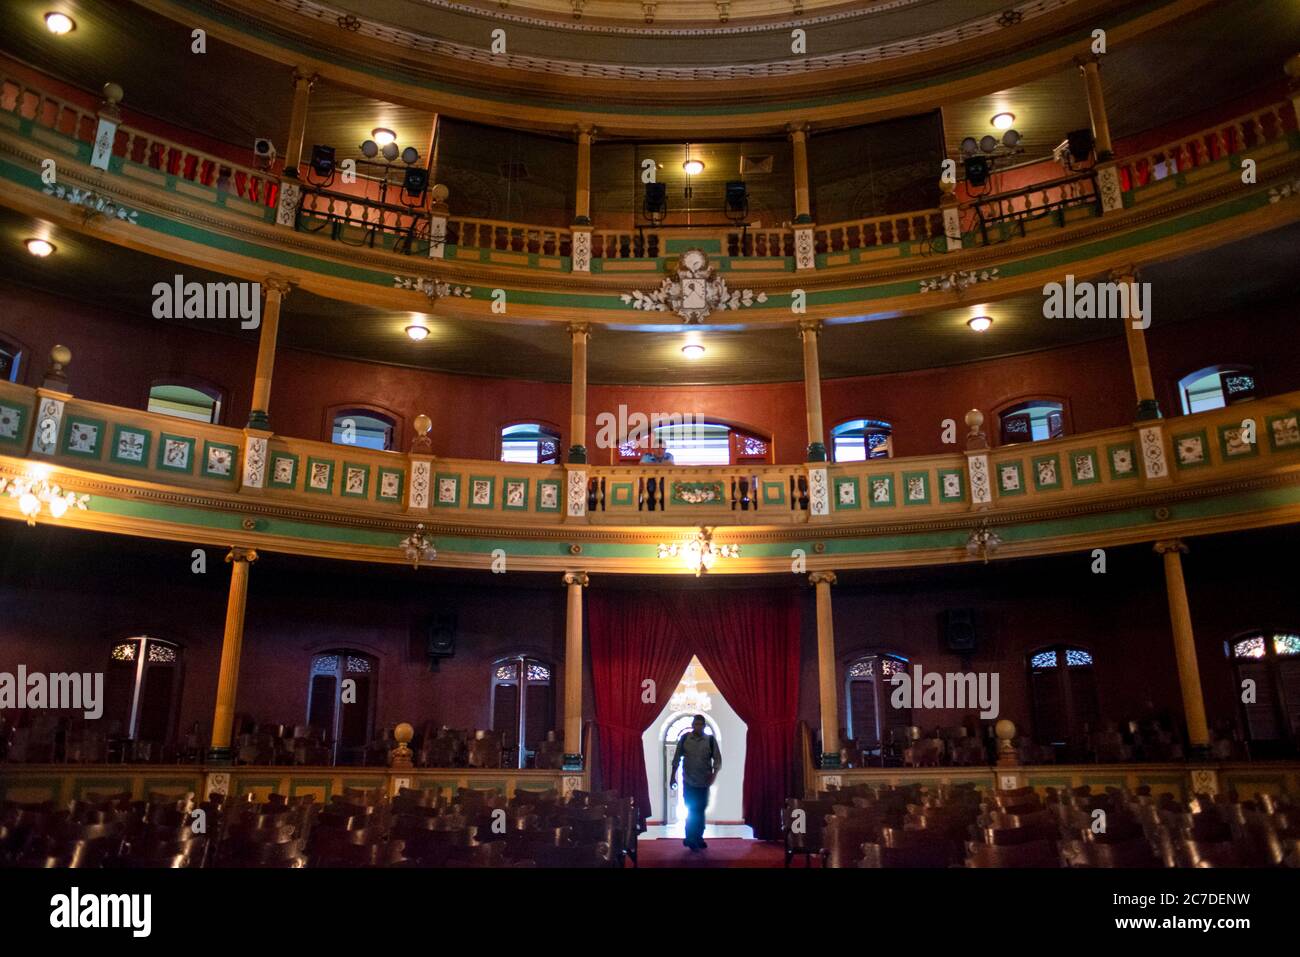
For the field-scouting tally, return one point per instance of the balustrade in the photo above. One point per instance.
(879, 231)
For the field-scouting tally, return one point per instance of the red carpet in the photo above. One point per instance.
(721, 852)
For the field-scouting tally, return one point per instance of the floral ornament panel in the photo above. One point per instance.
(176, 453)
(220, 461)
(693, 292)
(1190, 450)
(11, 423)
(83, 436)
(881, 488)
(131, 446)
(1284, 431)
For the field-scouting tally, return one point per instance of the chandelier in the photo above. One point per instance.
(699, 554)
(983, 541)
(690, 698)
(34, 493)
(418, 548)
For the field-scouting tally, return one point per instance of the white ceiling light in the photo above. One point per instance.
(1003, 121)
(693, 350)
(59, 23)
(40, 247)
(383, 136)
(980, 323)
(693, 167)
(417, 332)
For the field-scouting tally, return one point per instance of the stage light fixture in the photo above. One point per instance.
(1011, 138)
(410, 155)
(389, 151)
(369, 149)
(977, 170)
(322, 160)
(988, 144)
(655, 204)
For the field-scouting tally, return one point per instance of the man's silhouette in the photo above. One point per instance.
(701, 760)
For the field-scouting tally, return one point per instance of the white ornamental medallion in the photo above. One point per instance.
(693, 292)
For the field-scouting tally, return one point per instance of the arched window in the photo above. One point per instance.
(1063, 692)
(11, 356)
(1032, 421)
(523, 705)
(1215, 386)
(531, 442)
(693, 440)
(186, 398)
(367, 428)
(860, 439)
(143, 688)
(1270, 660)
(871, 717)
(341, 701)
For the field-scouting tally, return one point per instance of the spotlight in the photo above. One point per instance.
(40, 247)
(59, 23)
(410, 155)
(980, 323)
(1003, 121)
(383, 136)
(322, 160)
(977, 170)
(1010, 139)
(415, 181)
(655, 204)
(988, 144)
(417, 332)
(369, 149)
(969, 147)
(693, 350)
(693, 167)
(737, 201)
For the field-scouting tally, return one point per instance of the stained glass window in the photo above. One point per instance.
(361, 665)
(538, 672)
(507, 672)
(325, 665)
(161, 653)
(1044, 659)
(862, 668)
(124, 651)
(1249, 647)
(754, 446)
(1076, 656)
(1286, 644)
(892, 666)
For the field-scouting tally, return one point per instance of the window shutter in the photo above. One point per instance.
(1055, 425)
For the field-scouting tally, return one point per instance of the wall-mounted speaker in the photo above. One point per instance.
(958, 630)
(441, 640)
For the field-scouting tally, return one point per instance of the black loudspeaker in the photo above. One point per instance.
(656, 200)
(415, 181)
(977, 170)
(959, 635)
(1081, 143)
(441, 642)
(322, 160)
(737, 200)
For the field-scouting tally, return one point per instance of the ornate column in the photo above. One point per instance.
(574, 582)
(276, 289)
(1107, 175)
(1180, 616)
(809, 330)
(581, 231)
(302, 84)
(579, 332)
(232, 643)
(805, 253)
(1135, 335)
(826, 678)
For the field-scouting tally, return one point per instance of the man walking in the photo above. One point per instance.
(701, 761)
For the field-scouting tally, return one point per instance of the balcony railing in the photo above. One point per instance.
(879, 231)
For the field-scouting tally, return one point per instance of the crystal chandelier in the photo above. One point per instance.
(690, 698)
(699, 553)
(983, 541)
(418, 548)
(35, 493)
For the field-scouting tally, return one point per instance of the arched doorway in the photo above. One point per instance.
(696, 694)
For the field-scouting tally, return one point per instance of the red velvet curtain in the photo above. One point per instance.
(632, 638)
(748, 642)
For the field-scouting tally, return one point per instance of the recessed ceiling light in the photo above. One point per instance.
(693, 350)
(693, 167)
(60, 23)
(417, 332)
(980, 323)
(1003, 121)
(383, 136)
(40, 247)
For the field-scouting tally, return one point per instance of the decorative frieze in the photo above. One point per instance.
(433, 288)
(694, 292)
(91, 203)
(254, 461)
(581, 250)
(1154, 463)
(286, 208)
(981, 489)
(49, 418)
(577, 494)
(421, 476)
(1112, 197)
(819, 499)
(805, 249)
(957, 281)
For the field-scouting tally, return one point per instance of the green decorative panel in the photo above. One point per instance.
(848, 493)
(81, 786)
(321, 787)
(1233, 442)
(916, 488)
(498, 785)
(514, 494)
(480, 491)
(219, 460)
(620, 493)
(84, 437)
(1191, 449)
(952, 485)
(548, 495)
(773, 493)
(356, 480)
(698, 493)
(880, 491)
(1122, 460)
(284, 470)
(1009, 477)
(447, 490)
(1047, 472)
(175, 453)
(13, 424)
(1084, 469)
(390, 485)
(319, 477)
(27, 790)
(1284, 431)
(130, 446)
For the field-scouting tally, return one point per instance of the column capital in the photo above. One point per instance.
(809, 325)
(822, 578)
(579, 329)
(301, 76)
(798, 129)
(1171, 545)
(581, 579)
(1084, 61)
(281, 284)
(1125, 273)
(587, 130)
(238, 553)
